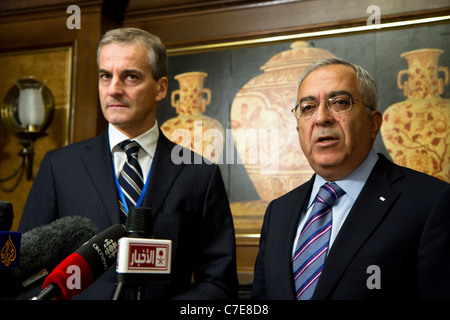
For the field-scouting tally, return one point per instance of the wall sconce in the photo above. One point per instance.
(27, 111)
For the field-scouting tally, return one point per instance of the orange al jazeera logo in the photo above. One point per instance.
(8, 253)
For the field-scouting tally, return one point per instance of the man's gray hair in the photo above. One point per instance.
(157, 51)
(366, 84)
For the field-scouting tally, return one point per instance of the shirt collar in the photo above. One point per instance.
(148, 140)
(353, 183)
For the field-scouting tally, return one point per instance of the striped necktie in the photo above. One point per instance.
(313, 242)
(131, 179)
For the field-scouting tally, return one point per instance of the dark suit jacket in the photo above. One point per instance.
(407, 235)
(188, 201)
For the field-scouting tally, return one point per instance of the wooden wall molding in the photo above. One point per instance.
(194, 24)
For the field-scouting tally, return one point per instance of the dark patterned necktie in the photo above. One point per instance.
(313, 242)
(131, 179)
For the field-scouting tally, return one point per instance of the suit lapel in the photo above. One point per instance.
(287, 225)
(371, 206)
(97, 161)
(162, 175)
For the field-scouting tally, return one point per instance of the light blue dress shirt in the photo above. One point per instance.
(352, 185)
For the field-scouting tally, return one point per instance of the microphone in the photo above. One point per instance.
(9, 241)
(139, 223)
(139, 258)
(41, 249)
(80, 269)
(6, 215)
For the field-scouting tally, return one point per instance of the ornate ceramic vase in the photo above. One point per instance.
(262, 107)
(190, 127)
(416, 132)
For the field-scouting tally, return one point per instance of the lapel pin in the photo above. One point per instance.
(382, 198)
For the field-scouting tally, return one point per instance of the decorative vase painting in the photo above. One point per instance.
(190, 126)
(416, 131)
(264, 103)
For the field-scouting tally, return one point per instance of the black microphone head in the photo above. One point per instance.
(139, 223)
(45, 247)
(6, 215)
(100, 252)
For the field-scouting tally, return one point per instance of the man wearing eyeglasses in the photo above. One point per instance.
(362, 227)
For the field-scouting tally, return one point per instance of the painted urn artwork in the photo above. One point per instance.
(416, 132)
(261, 109)
(191, 126)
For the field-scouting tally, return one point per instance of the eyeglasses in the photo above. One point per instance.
(338, 104)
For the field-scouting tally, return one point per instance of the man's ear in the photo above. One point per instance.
(377, 119)
(162, 85)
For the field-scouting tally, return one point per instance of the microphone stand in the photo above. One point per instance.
(133, 292)
(118, 290)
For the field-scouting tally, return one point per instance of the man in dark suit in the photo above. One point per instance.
(188, 201)
(388, 234)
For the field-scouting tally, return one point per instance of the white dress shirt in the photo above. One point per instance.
(147, 141)
(352, 185)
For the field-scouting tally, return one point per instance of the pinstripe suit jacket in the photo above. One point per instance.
(400, 222)
(188, 202)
